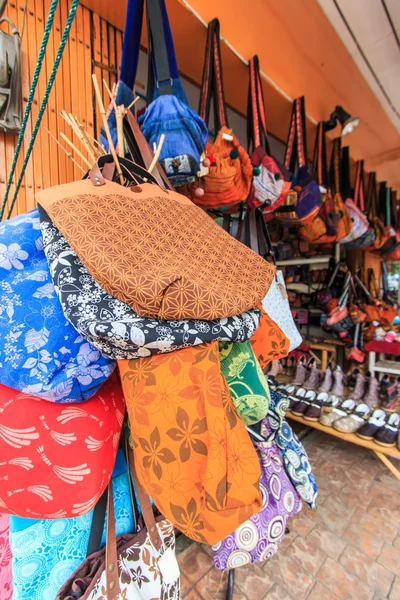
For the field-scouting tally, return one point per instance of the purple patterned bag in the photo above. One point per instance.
(258, 538)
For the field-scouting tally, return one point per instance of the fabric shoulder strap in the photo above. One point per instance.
(131, 43)
(256, 122)
(212, 81)
(296, 147)
(320, 168)
(359, 191)
(371, 195)
(334, 172)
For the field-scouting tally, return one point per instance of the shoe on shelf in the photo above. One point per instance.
(276, 368)
(388, 394)
(300, 408)
(355, 420)
(360, 383)
(376, 421)
(301, 372)
(312, 381)
(337, 389)
(351, 378)
(328, 418)
(314, 411)
(371, 396)
(294, 399)
(388, 434)
(327, 380)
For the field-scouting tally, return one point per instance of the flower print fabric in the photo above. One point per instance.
(269, 342)
(111, 325)
(258, 539)
(246, 381)
(40, 352)
(6, 587)
(295, 457)
(46, 553)
(56, 459)
(157, 251)
(192, 452)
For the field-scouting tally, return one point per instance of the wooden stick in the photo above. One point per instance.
(100, 147)
(79, 153)
(65, 150)
(89, 140)
(157, 153)
(107, 129)
(133, 102)
(79, 133)
(119, 117)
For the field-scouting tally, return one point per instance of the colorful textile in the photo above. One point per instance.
(40, 352)
(246, 381)
(56, 460)
(156, 251)
(6, 586)
(258, 538)
(111, 325)
(193, 454)
(46, 553)
(276, 305)
(294, 456)
(269, 342)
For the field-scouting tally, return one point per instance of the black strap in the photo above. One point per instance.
(296, 146)
(256, 122)
(371, 200)
(359, 191)
(96, 531)
(158, 61)
(345, 187)
(381, 209)
(334, 171)
(320, 168)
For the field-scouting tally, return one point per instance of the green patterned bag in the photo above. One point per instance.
(247, 383)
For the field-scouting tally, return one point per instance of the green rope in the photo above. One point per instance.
(57, 60)
(42, 51)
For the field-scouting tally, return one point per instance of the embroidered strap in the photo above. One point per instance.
(320, 169)
(212, 82)
(256, 122)
(296, 147)
(359, 190)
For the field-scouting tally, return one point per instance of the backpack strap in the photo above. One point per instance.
(256, 123)
(345, 187)
(334, 172)
(320, 168)
(371, 196)
(296, 146)
(212, 82)
(359, 190)
(131, 43)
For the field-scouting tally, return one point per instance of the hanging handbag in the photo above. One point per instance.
(394, 255)
(6, 586)
(258, 539)
(303, 201)
(381, 235)
(186, 133)
(142, 244)
(357, 210)
(111, 325)
(40, 353)
(342, 219)
(384, 203)
(10, 78)
(339, 320)
(269, 188)
(139, 566)
(378, 310)
(356, 354)
(360, 224)
(45, 553)
(228, 180)
(56, 459)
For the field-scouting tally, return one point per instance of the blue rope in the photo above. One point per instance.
(42, 51)
(57, 60)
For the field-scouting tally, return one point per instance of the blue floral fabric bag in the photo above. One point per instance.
(41, 353)
(294, 456)
(46, 553)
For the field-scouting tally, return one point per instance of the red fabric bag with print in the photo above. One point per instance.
(56, 459)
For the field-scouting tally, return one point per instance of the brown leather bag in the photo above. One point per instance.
(155, 250)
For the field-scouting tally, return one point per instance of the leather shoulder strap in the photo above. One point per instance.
(359, 191)
(296, 146)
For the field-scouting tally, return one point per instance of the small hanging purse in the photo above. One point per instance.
(377, 224)
(269, 188)
(355, 207)
(228, 180)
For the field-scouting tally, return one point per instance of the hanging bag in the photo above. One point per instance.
(395, 216)
(358, 212)
(168, 112)
(381, 235)
(342, 217)
(355, 207)
(269, 188)
(10, 78)
(384, 201)
(302, 203)
(229, 167)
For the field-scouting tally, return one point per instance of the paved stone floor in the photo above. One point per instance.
(348, 549)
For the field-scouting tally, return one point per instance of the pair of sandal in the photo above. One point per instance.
(346, 416)
(308, 404)
(382, 428)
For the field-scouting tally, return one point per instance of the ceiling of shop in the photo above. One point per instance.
(370, 30)
(302, 51)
